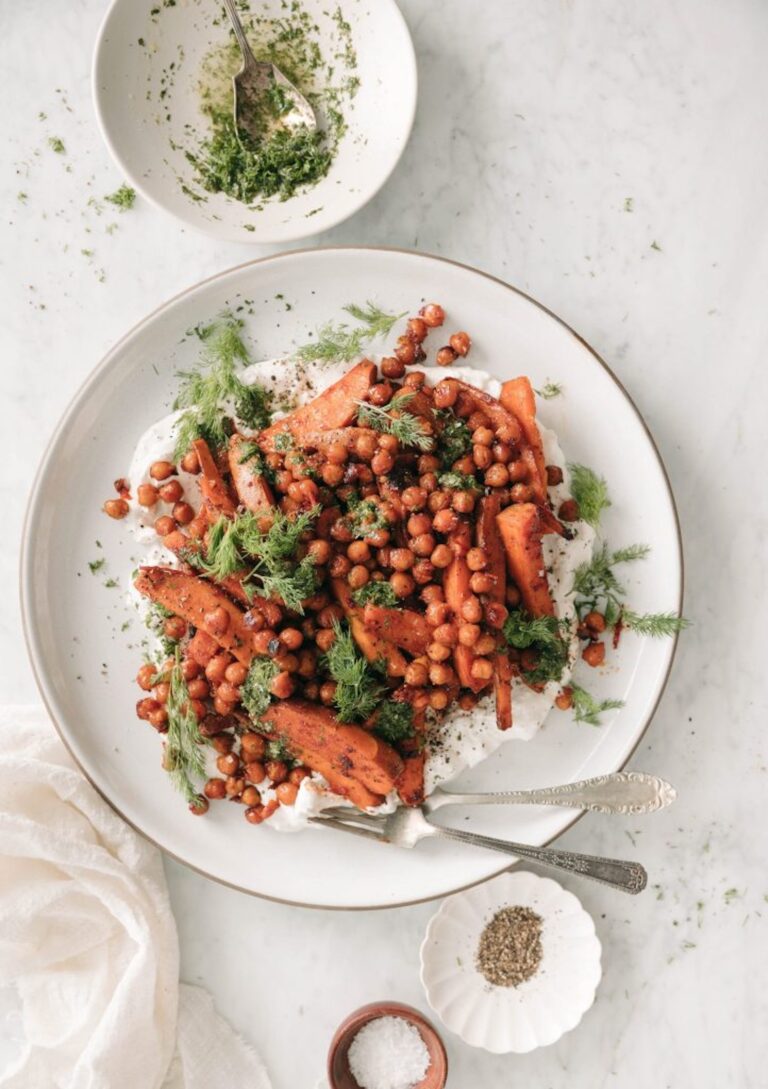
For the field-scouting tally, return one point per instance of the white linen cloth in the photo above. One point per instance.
(88, 939)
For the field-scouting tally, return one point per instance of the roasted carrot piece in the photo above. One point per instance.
(218, 501)
(371, 644)
(178, 543)
(403, 627)
(349, 750)
(521, 527)
(488, 538)
(347, 436)
(252, 489)
(202, 647)
(410, 785)
(456, 588)
(334, 407)
(517, 397)
(195, 600)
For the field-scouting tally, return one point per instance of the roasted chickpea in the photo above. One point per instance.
(215, 788)
(445, 356)
(431, 594)
(472, 610)
(365, 446)
(467, 700)
(358, 576)
(465, 405)
(340, 531)
(445, 393)
(481, 669)
(320, 551)
(486, 644)
(222, 743)
(554, 477)
(497, 476)
(460, 342)
(190, 669)
(118, 508)
(482, 457)
(501, 452)
(414, 381)
(330, 614)
(161, 470)
(339, 567)
(468, 634)
(433, 315)
(159, 719)
(253, 747)
(298, 775)
(327, 692)
(482, 436)
(569, 511)
(464, 501)
(198, 689)
(439, 500)
(438, 699)
(182, 513)
(414, 498)
(440, 673)
(254, 814)
(161, 692)
(146, 707)
(428, 483)
(307, 663)
(442, 556)
(198, 807)
(378, 538)
(477, 559)
(437, 613)
(391, 367)
(145, 676)
(147, 495)
(416, 674)
(464, 465)
(222, 706)
(380, 394)
(437, 652)
(234, 785)
(448, 635)
(171, 492)
(481, 583)
(564, 700)
(424, 544)
(283, 685)
(217, 621)
(250, 796)
(277, 770)
(401, 559)
(286, 793)
(521, 493)
(418, 524)
(402, 584)
(417, 329)
(325, 639)
(190, 463)
(445, 521)
(291, 638)
(164, 524)
(405, 351)
(359, 552)
(332, 474)
(382, 462)
(594, 654)
(217, 667)
(265, 641)
(174, 628)
(228, 763)
(423, 572)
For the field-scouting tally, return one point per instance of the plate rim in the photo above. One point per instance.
(252, 238)
(25, 564)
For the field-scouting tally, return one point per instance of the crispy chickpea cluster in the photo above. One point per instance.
(389, 514)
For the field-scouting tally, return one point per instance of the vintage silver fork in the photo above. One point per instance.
(405, 827)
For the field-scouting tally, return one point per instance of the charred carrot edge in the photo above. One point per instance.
(334, 407)
(517, 397)
(194, 599)
(410, 785)
(403, 627)
(349, 750)
(252, 489)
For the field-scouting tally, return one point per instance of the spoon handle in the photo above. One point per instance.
(628, 877)
(237, 26)
(623, 792)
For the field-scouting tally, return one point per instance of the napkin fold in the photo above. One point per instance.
(88, 939)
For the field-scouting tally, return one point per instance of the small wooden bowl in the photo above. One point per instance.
(339, 1074)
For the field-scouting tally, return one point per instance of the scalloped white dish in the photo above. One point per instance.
(538, 1011)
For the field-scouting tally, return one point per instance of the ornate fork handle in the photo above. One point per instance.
(623, 792)
(628, 877)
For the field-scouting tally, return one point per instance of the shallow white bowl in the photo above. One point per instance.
(541, 1009)
(146, 115)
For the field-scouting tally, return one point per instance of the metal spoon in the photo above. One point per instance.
(252, 82)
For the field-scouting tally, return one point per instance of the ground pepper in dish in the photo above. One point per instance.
(509, 951)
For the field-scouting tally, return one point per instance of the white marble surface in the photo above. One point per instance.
(536, 124)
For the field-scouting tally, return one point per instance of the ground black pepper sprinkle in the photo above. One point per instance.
(509, 951)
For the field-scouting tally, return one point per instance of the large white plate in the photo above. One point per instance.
(82, 659)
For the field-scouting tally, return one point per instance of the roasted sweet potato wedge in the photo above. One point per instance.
(410, 785)
(348, 750)
(403, 627)
(252, 489)
(195, 600)
(373, 646)
(521, 528)
(218, 501)
(334, 407)
(517, 397)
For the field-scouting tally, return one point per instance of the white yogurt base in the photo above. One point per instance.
(464, 738)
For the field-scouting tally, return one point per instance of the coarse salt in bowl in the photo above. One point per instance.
(541, 1008)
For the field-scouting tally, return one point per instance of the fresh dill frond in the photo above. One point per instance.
(255, 693)
(459, 481)
(223, 555)
(394, 722)
(154, 619)
(595, 584)
(338, 343)
(590, 492)
(184, 758)
(291, 584)
(550, 390)
(587, 709)
(376, 593)
(455, 440)
(630, 553)
(544, 635)
(357, 690)
(123, 198)
(655, 625)
(394, 419)
(212, 392)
